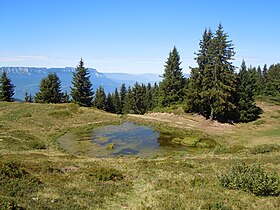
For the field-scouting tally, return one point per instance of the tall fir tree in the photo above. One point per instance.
(109, 102)
(82, 92)
(213, 85)
(122, 96)
(149, 99)
(100, 101)
(222, 93)
(129, 102)
(49, 90)
(28, 97)
(198, 96)
(117, 102)
(139, 97)
(6, 88)
(172, 87)
(247, 109)
(272, 85)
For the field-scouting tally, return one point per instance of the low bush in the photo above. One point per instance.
(16, 181)
(215, 206)
(265, 148)
(106, 174)
(251, 178)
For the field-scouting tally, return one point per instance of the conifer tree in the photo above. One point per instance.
(116, 102)
(247, 109)
(149, 100)
(172, 87)
(223, 89)
(28, 97)
(272, 85)
(49, 90)
(6, 88)
(201, 81)
(138, 94)
(122, 96)
(110, 105)
(129, 102)
(65, 97)
(82, 92)
(212, 87)
(100, 99)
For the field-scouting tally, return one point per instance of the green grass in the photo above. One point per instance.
(35, 173)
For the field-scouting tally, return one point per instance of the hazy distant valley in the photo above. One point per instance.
(27, 79)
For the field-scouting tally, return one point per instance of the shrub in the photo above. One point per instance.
(16, 181)
(106, 174)
(11, 170)
(251, 178)
(8, 203)
(215, 206)
(265, 148)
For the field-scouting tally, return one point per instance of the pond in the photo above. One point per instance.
(125, 139)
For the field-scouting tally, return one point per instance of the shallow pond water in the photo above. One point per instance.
(125, 139)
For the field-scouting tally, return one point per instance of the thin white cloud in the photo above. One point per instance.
(23, 58)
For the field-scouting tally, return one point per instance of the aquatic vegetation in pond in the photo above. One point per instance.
(131, 139)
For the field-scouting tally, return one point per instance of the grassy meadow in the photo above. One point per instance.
(36, 173)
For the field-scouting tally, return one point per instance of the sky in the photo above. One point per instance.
(133, 36)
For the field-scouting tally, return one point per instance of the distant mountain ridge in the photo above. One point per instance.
(27, 79)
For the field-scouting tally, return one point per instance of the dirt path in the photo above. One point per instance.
(187, 122)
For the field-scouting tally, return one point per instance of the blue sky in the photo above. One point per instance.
(133, 36)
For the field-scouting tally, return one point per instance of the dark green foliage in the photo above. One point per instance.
(213, 89)
(122, 96)
(116, 102)
(106, 174)
(129, 102)
(149, 98)
(9, 204)
(28, 97)
(247, 109)
(100, 101)
(109, 102)
(215, 206)
(251, 178)
(265, 148)
(172, 87)
(272, 87)
(81, 92)
(66, 97)
(139, 97)
(50, 90)
(6, 88)
(16, 181)
(11, 170)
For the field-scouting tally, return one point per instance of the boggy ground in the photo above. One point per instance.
(36, 173)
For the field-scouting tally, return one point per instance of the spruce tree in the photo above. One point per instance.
(129, 102)
(247, 109)
(212, 87)
(49, 90)
(149, 99)
(222, 93)
(110, 105)
(6, 88)
(198, 96)
(82, 92)
(138, 94)
(100, 99)
(272, 85)
(66, 97)
(28, 97)
(172, 87)
(122, 96)
(116, 102)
